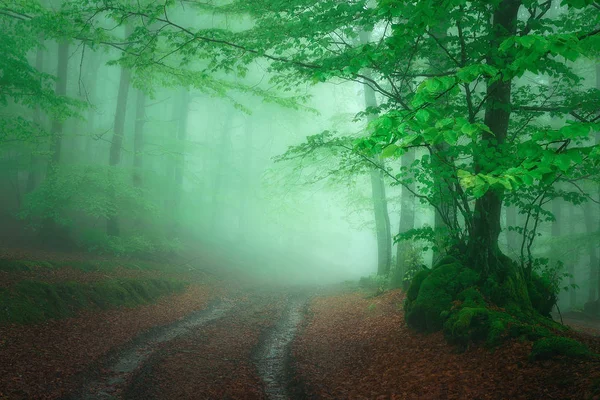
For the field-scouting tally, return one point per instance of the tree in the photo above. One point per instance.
(112, 224)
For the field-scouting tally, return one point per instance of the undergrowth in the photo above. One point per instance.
(83, 265)
(34, 301)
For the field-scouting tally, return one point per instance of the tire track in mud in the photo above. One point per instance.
(272, 357)
(113, 378)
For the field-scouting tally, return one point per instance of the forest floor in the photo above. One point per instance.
(220, 340)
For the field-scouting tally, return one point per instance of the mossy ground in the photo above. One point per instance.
(7, 265)
(35, 301)
(469, 308)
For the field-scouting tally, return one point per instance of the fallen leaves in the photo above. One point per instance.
(357, 348)
(40, 361)
(215, 361)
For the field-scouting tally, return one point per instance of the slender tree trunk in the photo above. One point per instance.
(49, 231)
(512, 237)
(383, 228)
(180, 159)
(92, 97)
(407, 220)
(138, 137)
(32, 175)
(112, 224)
(61, 90)
(572, 263)
(222, 160)
(591, 228)
(246, 186)
(483, 243)
(598, 188)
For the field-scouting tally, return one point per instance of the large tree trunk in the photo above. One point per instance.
(483, 242)
(407, 220)
(112, 224)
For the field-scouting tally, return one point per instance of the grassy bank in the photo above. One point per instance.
(34, 301)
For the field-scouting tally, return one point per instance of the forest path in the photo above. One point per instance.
(236, 348)
(111, 380)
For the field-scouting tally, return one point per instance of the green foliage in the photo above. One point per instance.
(412, 263)
(34, 302)
(550, 347)
(375, 282)
(86, 190)
(134, 245)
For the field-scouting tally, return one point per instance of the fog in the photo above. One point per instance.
(183, 154)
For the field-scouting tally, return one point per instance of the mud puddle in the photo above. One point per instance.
(272, 356)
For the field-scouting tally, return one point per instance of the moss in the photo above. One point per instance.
(541, 294)
(434, 296)
(447, 260)
(415, 285)
(23, 265)
(553, 346)
(452, 297)
(33, 301)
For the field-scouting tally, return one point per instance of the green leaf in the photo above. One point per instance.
(422, 116)
(451, 137)
(389, 151)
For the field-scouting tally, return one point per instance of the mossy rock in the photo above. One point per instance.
(413, 290)
(553, 346)
(431, 300)
(453, 298)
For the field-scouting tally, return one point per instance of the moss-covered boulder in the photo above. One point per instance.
(431, 296)
(470, 306)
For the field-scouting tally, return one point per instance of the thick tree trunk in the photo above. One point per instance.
(407, 220)
(112, 224)
(138, 137)
(483, 243)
